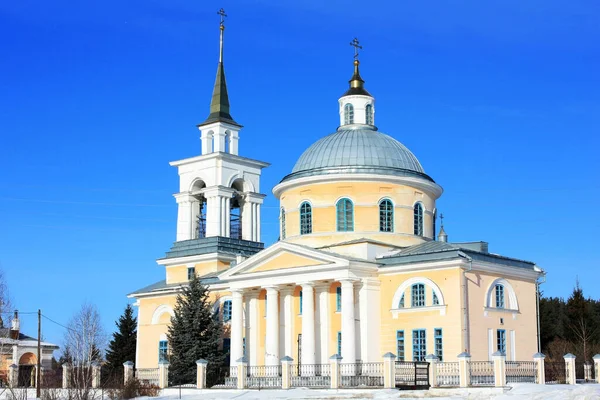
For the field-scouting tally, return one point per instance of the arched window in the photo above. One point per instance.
(348, 114)
(418, 295)
(418, 219)
(499, 296)
(227, 311)
(305, 218)
(369, 114)
(386, 216)
(282, 224)
(345, 215)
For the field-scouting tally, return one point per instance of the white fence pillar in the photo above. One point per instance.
(538, 358)
(597, 367)
(242, 367)
(432, 360)
(570, 368)
(163, 374)
(389, 370)
(463, 368)
(334, 364)
(13, 376)
(499, 359)
(201, 374)
(127, 371)
(96, 375)
(66, 381)
(286, 363)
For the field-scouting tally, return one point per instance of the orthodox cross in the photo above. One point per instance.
(355, 43)
(221, 12)
(442, 219)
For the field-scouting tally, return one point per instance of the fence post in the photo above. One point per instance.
(242, 367)
(201, 373)
(499, 359)
(127, 372)
(66, 381)
(570, 368)
(334, 364)
(432, 360)
(13, 375)
(163, 374)
(389, 372)
(538, 358)
(463, 368)
(95, 375)
(597, 367)
(286, 363)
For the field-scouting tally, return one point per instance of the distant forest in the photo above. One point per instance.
(571, 326)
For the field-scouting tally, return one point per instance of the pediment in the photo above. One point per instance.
(284, 257)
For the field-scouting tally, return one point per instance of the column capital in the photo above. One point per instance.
(309, 284)
(348, 282)
(237, 292)
(184, 197)
(272, 289)
(322, 285)
(285, 290)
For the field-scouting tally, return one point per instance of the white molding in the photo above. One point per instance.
(221, 156)
(396, 311)
(509, 293)
(506, 270)
(179, 261)
(409, 282)
(159, 311)
(432, 189)
(423, 266)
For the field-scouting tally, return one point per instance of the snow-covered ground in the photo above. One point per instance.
(523, 391)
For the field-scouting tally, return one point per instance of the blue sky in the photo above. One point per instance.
(499, 100)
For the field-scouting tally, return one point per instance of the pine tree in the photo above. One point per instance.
(193, 334)
(123, 344)
(582, 323)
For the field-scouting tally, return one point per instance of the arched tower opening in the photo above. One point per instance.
(236, 209)
(199, 209)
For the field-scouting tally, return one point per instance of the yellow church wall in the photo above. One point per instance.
(286, 260)
(335, 319)
(365, 197)
(179, 273)
(448, 280)
(525, 324)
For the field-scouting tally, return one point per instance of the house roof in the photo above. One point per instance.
(23, 340)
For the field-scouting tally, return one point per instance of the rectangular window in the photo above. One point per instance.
(191, 273)
(226, 345)
(163, 349)
(501, 340)
(499, 296)
(400, 345)
(227, 311)
(419, 345)
(418, 295)
(338, 298)
(438, 343)
(300, 303)
(339, 343)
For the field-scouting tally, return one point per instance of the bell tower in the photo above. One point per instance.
(219, 197)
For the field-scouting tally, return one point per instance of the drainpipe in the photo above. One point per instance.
(465, 287)
(538, 281)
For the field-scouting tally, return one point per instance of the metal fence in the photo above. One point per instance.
(148, 376)
(263, 376)
(361, 375)
(555, 372)
(221, 376)
(521, 372)
(310, 375)
(448, 374)
(481, 373)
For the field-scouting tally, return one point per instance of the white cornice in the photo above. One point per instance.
(222, 156)
(433, 189)
(396, 311)
(177, 261)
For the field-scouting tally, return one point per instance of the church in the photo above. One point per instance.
(360, 268)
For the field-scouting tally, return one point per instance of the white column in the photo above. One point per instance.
(288, 321)
(184, 216)
(247, 219)
(223, 216)
(348, 327)
(370, 321)
(308, 324)
(254, 225)
(228, 216)
(322, 317)
(213, 216)
(258, 223)
(253, 326)
(237, 328)
(272, 350)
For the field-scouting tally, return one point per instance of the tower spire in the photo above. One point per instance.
(219, 105)
(356, 82)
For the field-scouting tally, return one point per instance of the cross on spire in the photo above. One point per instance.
(442, 219)
(221, 12)
(356, 44)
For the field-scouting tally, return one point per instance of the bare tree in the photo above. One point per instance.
(84, 340)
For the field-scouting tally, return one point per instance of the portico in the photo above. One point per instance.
(310, 335)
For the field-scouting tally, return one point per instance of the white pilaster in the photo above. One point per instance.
(253, 323)
(370, 321)
(184, 216)
(348, 327)
(213, 216)
(308, 324)
(237, 327)
(272, 339)
(247, 219)
(234, 144)
(322, 318)
(258, 222)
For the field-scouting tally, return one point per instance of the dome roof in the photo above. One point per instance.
(359, 149)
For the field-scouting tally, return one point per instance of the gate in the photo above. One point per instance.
(412, 375)
(555, 372)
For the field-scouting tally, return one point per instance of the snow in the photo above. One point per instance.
(523, 391)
